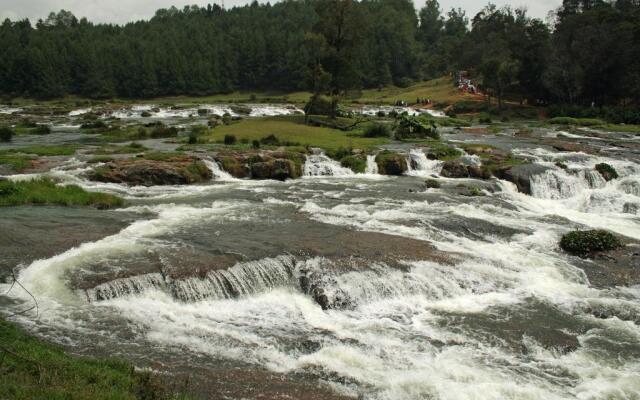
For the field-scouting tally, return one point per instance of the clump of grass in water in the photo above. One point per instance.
(45, 191)
(585, 242)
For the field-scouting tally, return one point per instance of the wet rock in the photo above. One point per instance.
(178, 170)
(619, 267)
(469, 191)
(391, 163)
(277, 165)
(521, 175)
(240, 109)
(631, 208)
(278, 169)
(454, 169)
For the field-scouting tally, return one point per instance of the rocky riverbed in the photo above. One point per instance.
(432, 272)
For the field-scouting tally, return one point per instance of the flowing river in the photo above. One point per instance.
(341, 284)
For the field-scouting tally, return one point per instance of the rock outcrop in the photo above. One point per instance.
(521, 175)
(391, 163)
(277, 165)
(177, 170)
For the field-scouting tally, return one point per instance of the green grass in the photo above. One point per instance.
(17, 162)
(33, 370)
(439, 90)
(576, 121)
(291, 129)
(621, 128)
(65, 150)
(45, 191)
(132, 148)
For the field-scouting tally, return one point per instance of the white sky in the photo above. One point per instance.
(120, 11)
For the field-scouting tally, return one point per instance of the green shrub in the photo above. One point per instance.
(415, 128)
(42, 130)
(357, 164)
(585, 242)
(484, 118)
(255, 144)
(270, 140)
(164, 132)
(6, 134)
(230, 140)
(607, 171)
(377, 130)
(339, 153)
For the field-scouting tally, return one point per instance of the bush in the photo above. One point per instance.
(607, 171)
(230, 140)
(255, 144)
(585, 242)
(6, 134)
(357, 164)
(162, 131)
(484, 118)
(270, 140)
(339, 154)
(42, 130)
(377, 130)
(416, 128)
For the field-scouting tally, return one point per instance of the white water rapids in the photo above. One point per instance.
(425, 330)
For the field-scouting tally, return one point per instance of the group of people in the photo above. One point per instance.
(423, 101)
(466, 85)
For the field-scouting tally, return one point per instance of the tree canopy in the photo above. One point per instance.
(589, 53)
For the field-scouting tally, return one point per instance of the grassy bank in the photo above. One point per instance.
(293, 130)
(31, 369)
(45, 191)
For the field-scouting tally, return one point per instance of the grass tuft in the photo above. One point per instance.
(45, 191)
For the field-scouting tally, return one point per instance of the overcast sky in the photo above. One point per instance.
(119, 11)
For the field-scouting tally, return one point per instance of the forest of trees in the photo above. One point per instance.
(588, 53)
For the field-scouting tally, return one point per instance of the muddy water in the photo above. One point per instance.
(345, 285)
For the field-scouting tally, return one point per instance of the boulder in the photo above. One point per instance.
(391, 163)
(454, 169)
(179, 170)
(521, 175)
(278, 169)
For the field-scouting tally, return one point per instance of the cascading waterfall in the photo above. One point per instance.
(557, 184)
(240, 280)
(126, 286)
(321, 165)
(218, 173)
(372, 165)
(419, 165)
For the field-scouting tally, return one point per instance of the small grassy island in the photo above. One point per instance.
(45, 191)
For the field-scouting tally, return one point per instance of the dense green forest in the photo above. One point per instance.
(589, 53)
